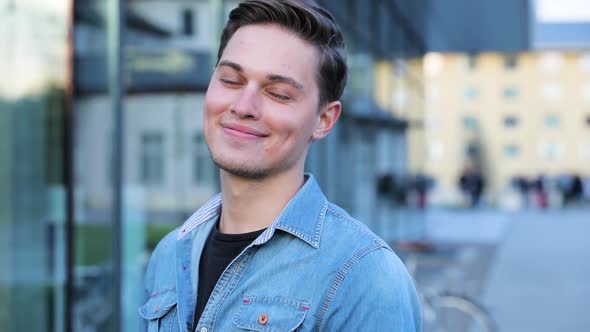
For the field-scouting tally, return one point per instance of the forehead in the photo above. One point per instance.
(271, 49)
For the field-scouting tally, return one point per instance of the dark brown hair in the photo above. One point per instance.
(311, 23)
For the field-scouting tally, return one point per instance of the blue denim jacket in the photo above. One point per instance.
(314, 269)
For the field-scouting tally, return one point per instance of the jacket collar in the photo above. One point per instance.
(302, 217)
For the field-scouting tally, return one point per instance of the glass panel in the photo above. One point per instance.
(188, 25)
(152, 158)
(168, 172)
(93, 170)
(33, 106)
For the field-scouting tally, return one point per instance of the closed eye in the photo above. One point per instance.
(229, 82)
(280, 96)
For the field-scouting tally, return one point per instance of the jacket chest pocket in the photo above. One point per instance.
(160, 313)
(270, 314)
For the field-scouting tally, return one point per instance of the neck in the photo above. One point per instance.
(253, 204)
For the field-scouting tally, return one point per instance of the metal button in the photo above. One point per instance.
(189, 326)
(262, 319)
(203, 329)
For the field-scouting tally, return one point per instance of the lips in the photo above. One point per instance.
(243, 131)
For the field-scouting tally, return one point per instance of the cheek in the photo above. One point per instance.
(298, 129)
(215, 101)
(210, 110)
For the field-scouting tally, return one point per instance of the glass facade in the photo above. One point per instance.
(33, 105)
(74, 240)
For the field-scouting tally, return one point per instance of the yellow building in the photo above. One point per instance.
(512, 114)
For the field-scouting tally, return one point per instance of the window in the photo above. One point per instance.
(510, 121)
(551, 150)
(551, 62)
(510, 61)
(470, 122)
(588, 120)
(188, 22)
(511, 151)
(436, 151)
(551, 92)
(431, 121)
(472, 150)
(510, 93)
(552, 121)
(202, 167)
(152, 158)
(471, 93)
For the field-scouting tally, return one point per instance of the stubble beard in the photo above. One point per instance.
(242, 171)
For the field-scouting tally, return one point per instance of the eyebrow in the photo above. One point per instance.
(271, 77)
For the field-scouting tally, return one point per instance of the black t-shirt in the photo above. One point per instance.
(220, 249)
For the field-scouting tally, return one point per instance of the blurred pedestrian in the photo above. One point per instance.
(521, 184)
(270, 253)
(539, 191)
(471, 183)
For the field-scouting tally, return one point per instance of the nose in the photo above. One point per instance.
(246, 104)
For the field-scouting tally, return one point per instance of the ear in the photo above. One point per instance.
(327, 119)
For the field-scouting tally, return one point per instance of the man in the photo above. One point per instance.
(270, 253)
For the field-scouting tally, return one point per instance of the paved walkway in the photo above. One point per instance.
(540, 280)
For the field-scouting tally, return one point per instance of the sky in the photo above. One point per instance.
(562, 11)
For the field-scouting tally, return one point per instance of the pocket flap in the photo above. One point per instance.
(158, 305)
(257, 313)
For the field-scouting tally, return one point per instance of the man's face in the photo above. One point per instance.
(261, 107)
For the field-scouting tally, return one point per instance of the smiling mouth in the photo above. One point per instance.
(244, 132)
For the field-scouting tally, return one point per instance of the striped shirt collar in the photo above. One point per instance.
(302, 216)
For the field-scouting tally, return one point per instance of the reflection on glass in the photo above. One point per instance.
(93, 169)
(152, 158)
(168, 173)
(32, 192)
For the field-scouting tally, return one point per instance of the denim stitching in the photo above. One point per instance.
(354, 222)
(235, 277)
(320, 222)
(339, 279)
(293, 303)
(162, 291)
(173, 318)
(315, 240)
(277, 299)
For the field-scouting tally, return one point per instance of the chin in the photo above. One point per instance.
(241, 169)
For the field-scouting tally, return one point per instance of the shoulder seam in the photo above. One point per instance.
(355, 223)
(339, 279)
